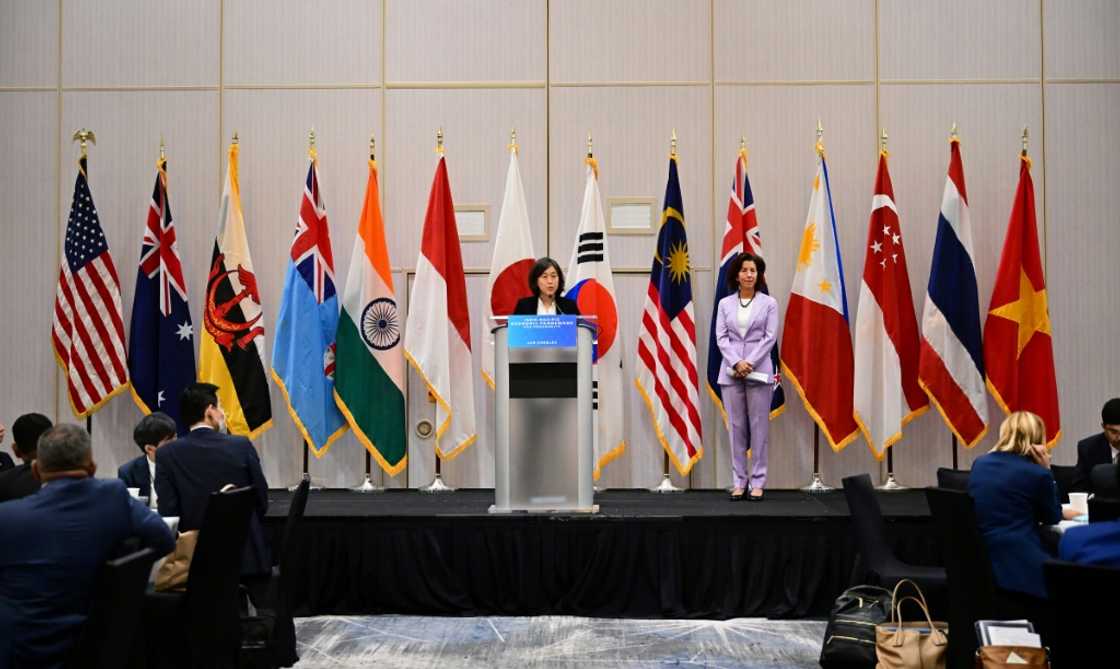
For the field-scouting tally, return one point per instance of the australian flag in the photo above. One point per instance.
(161, 337)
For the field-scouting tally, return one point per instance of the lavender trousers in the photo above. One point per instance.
(748, 413)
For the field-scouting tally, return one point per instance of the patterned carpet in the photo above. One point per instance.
(412, 642)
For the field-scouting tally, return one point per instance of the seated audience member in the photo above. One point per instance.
(6, 462)
(1095, 543)
(1014, 492)
(153, 431)
(53, 543)
(19, 481)
(1099, 449)
(193, 466)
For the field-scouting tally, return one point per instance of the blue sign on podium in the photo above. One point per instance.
(542, 331)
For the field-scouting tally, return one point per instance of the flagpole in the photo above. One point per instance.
(891, 484)
(83, 137)
(817, 484)
(954, 449)
(306, 476)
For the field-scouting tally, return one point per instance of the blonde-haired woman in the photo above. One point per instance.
(1014, 492)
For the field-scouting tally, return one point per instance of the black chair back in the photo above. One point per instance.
(972, 589)
(952, 479)
(867, 519)
(1083, 636)
(107, 637)
(1104, 480)
(212, 585)
(1103, 508)
(284, 630)
(1064, 476)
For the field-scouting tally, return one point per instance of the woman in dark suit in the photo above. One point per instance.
(746, 330)
(1014, 492)
(546, 281)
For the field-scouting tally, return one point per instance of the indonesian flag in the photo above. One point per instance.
(816, 345)
(437, 342)
(1018, 350)
(512, 262)
(951, 365)
(887, 394)
(589, 272)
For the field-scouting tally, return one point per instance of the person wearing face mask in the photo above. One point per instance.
(746, 331)
(546, 281)
(205, 460)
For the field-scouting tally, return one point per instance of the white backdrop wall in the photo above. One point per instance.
(629, 71)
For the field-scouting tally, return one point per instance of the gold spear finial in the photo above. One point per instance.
(513, 140)
(84, 138)
(372, 144)
(820, 137)
(162, 149)
(1026, 139)
(312, 152)
(439, 141)
(743, 148)
(590, 154)
(953, 136)
(883, 142)
(236, 140)
(673, 145)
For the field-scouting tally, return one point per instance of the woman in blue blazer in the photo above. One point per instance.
(1014, 492)
(746, 329)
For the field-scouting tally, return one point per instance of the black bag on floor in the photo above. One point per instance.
(849, 638)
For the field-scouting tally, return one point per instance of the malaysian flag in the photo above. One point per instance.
(667, 378)
(88, 332)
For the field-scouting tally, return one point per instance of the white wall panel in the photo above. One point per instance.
(1082, 273)
(273, 127)
(122, 172)
(803, 39)
(445, 40)
(476, 126)
(633, 152)
(309, 43)
(630, 40)
(28, 43)
(958, 39)
(29, 241)
(133, 43)
(1081, 38)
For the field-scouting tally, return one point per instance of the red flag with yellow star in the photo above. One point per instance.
(1018, 351)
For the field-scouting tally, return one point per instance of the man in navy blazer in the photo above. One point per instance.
(192, 467)
(53, 543)
(1099, 449)
(153, 431)
(18, 481)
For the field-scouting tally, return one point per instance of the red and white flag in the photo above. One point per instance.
(887, 395)
(512, 262)
(437, 341)
(88, 330)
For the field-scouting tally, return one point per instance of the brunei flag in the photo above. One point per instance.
(369, 376)
(231, 353)
(1018, 350)
(438, 341)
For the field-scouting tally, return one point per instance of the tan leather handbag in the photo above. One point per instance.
(1011, 657)
(910, 645)
(172, 574)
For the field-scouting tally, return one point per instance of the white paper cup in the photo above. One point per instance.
(135, 492)
(1079, 501)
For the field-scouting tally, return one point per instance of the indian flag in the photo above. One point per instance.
(369, 370)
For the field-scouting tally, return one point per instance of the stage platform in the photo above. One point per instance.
(688, 555)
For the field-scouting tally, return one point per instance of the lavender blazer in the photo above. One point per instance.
(762, 332)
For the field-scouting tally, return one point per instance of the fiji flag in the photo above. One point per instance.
(667, 376)
(161, 338)
(303, 357)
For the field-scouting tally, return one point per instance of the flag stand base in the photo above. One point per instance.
(305, 477)
(891, 484)
(367, 486)
(666, 486)
(436, 487)
(817, 485)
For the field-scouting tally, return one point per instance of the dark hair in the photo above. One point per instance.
(62, 447)
(194, 401)
(540, 268)
(152, 429)
(1110, 414)
(26, 431)
(737, 264)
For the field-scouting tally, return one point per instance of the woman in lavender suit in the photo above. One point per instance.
(746, 329)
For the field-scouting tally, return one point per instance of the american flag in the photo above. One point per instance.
(88, 331)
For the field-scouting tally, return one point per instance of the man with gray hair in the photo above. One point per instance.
(53, 543)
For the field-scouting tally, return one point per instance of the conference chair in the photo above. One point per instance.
(1105, 480)
(1064, 476)
(1083, 635)
(952, 479)
(1103, 509)
(106, 639)
(881, 567)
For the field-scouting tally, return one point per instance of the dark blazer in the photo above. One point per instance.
(17, 482)
(1091, 451)
(135, 474)
(193, 466)
(527, 306)
(1095, 543)
(6, 462)
(1013, 495)
(52, 545)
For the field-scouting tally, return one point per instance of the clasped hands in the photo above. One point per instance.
(741, 369)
